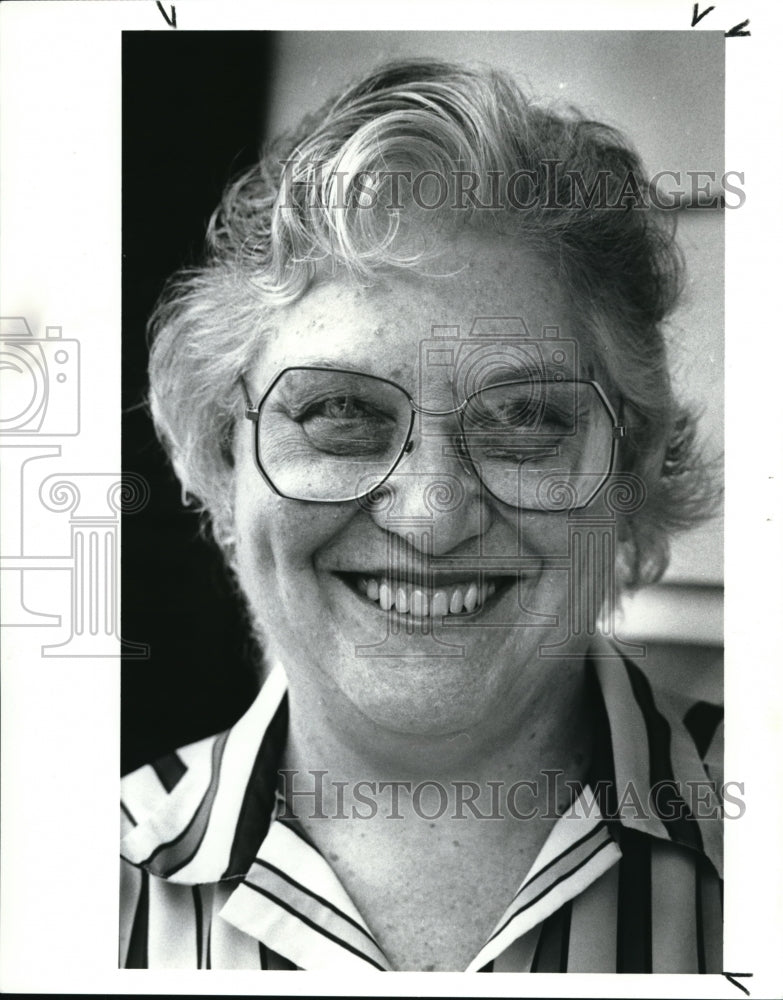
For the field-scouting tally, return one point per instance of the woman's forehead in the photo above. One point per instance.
(452, 368)
(487, 303)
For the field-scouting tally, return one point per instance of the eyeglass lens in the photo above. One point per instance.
(335, 435)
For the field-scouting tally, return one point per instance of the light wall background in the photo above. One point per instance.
(665, 90)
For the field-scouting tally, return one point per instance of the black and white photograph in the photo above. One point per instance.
(387, 604)
(419, 386)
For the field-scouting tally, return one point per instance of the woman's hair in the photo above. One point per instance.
(462, 148)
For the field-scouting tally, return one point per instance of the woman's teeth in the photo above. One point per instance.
(406, 599)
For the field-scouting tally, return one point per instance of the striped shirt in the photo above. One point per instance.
(629, 879)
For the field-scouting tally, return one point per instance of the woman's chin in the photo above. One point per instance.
(432, 695)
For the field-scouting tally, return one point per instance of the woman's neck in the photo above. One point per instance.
(521, 764)
(433, 887)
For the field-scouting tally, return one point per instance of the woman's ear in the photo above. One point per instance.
(227, 450)
(221, 527)
(220, 514)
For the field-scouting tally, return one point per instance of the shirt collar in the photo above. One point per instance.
(657, 782)
(204, 829)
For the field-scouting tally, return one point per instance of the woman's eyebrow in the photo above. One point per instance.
(333, 364)
(512, 369)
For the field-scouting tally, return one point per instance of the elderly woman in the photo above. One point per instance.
(419, 387)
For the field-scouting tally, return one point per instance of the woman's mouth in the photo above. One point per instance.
(406, 598)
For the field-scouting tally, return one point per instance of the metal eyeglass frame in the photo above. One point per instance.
(252, 413)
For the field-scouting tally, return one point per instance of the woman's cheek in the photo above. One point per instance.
(282, 537)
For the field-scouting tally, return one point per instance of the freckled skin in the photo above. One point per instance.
(289, 551)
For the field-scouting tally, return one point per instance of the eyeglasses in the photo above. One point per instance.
(330, 435)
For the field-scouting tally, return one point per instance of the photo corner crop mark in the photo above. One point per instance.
(734, 976)
(171, 17)
(737, 31)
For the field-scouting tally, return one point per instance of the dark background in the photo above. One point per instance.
(193, 115)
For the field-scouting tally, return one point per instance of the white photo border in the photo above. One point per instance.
(60, 79)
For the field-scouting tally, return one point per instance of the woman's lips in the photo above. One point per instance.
(416, 600)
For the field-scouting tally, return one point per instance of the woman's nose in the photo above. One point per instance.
(433, 495)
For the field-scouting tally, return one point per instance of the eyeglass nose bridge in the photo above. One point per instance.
(418, 408)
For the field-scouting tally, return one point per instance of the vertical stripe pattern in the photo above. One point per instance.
(173, 941)
(634, 939)
(673, 910)
(593, 938)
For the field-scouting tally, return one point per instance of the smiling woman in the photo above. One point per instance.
(433, 432)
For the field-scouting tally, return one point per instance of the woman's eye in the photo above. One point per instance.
(346, 425)
(517, 418)
(517, 454)
(337, 408)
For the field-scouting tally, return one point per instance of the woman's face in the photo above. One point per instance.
(314, 573)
